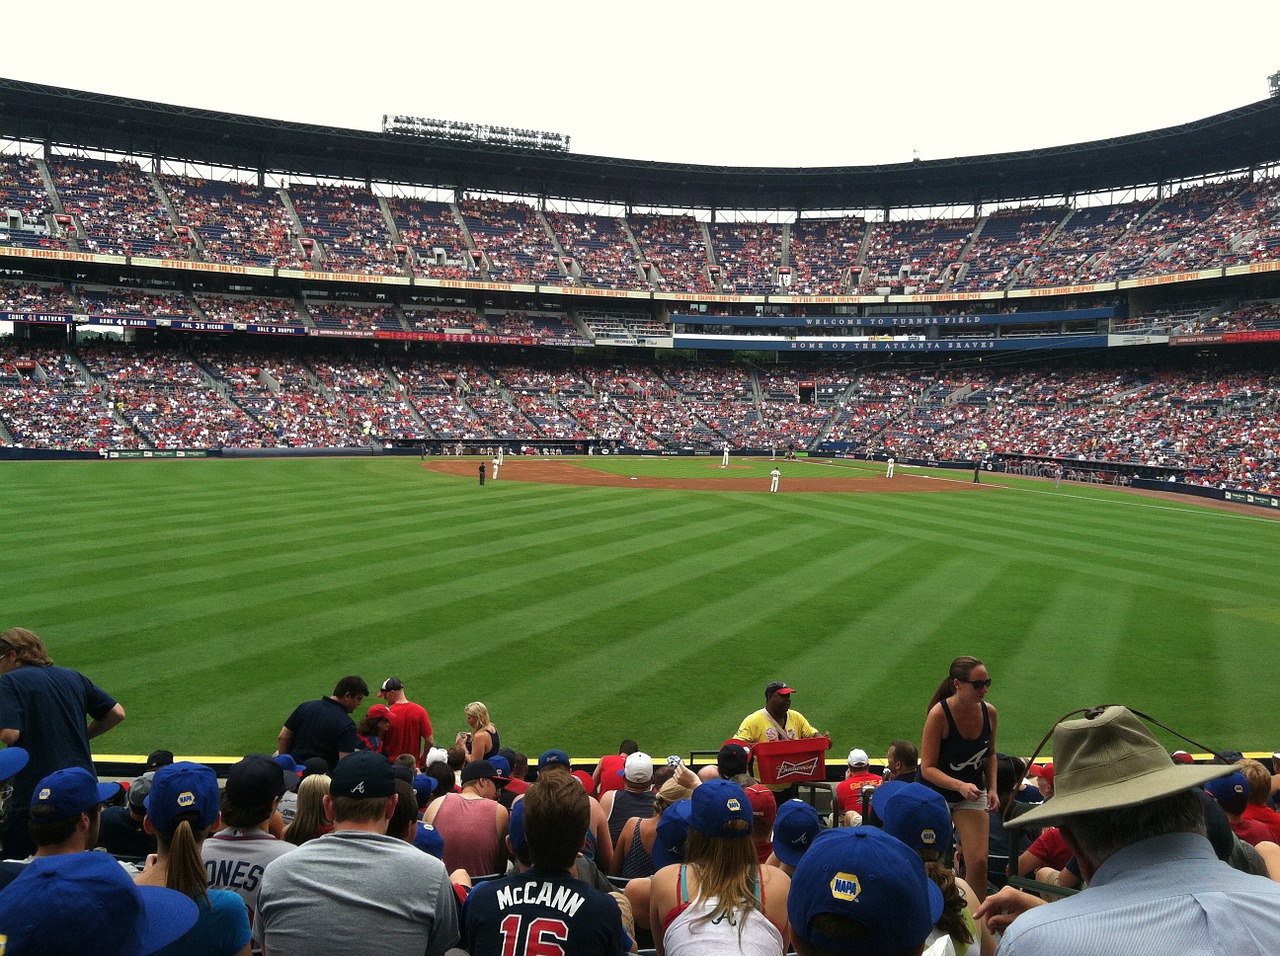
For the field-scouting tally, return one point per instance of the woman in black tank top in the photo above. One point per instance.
(958, 759)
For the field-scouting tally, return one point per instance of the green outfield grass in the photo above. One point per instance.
(212, 596)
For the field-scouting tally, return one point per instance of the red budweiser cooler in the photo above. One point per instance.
(791, 761)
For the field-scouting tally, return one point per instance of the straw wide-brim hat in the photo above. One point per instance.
(1107, 761)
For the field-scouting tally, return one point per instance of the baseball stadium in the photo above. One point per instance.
(612, 444)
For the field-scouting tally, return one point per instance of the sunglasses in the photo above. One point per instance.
(976, 683)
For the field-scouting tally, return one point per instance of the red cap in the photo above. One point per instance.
(1044, 771)
(379, 711)
(763, 804)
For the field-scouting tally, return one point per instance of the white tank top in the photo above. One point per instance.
(687, 935)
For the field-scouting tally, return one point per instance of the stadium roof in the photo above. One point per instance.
(1238, 139)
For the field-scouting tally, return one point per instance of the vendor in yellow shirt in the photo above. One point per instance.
(776, 721)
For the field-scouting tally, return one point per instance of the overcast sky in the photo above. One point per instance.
(774, 84)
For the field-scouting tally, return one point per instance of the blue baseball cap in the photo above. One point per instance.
(551, 757)
(12, 759)
(502, 765)
(673, 826)
(918, 816)
(179, 788)
(73, 903)
(794, 829)
(883, 794)
(1224, 789)
(718, 805)
(70, 792)
(870, 877)
(428, 839)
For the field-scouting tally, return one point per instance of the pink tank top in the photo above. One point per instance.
(469, 830)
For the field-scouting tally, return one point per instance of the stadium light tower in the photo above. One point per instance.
(1273, 81)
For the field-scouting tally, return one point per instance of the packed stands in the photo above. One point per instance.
(38, 297)
(913, 255)
(601, 249)
(430, 229)
(821, 254)
(348, 226)
(674, 246)
(243, 309)
(1008, 238)
(748, 256)
(514, 241)
(235, 222)
(22, 192)
(116, 207)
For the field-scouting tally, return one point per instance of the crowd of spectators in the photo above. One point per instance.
(247, 310)
(820, 255)
(235, 222)
(1007, 239)
(347, 225)
(748, 255)
(1211, 426)
(115, 301)
(513, 238)
(23, 192)
(675, 249)
(38, 297)
(601, 249)
(117, 207)
(917, 256)
(430, 229)
(364, 318)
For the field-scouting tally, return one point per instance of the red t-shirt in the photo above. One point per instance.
(1052, 848)
(849, 790)
(609, 779)
(1266, 816)
(409, 728)
(1252, 832)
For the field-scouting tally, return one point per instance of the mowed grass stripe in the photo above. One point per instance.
(558, 604)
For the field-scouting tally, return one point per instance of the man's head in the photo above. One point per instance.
(20, 647)
(861, 892)
(552, 760)
(1231, 792)
(404, 820)
(350, 691)
(392, 690)
(915, 814)
(858, 762)
(637, 771)
(519, 762)
(733, 759)
(777, 699)
(157, 759)
(795, 828)
(1042, 773)
(254, 785)
(1114, 785)
(557, 813)
(362, 790)
(65, 808)
(481, 777)
(1259, 780)
(901, 758)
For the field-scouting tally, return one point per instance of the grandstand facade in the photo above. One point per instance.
(277, 285)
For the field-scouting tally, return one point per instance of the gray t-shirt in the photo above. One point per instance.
(352, 893)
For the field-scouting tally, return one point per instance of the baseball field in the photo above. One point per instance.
(583, 606)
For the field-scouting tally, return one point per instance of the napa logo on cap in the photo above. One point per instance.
(186, 799)
(845, 886)
(44, 794)
(733, 804)
(928, 836)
